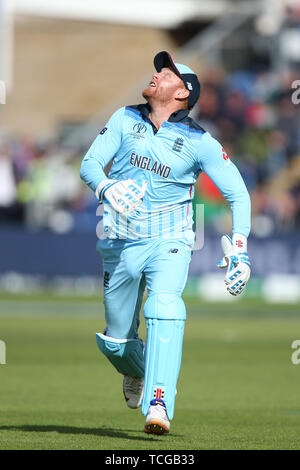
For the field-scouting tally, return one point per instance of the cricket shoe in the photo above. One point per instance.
(157, 421)
(133, 389)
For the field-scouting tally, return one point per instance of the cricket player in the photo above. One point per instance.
(157, 152)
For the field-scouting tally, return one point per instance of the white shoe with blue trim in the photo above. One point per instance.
(157, 421)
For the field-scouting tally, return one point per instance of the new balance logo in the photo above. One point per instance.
(178, 144)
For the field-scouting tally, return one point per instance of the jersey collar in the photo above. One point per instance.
(175, 117)
(179, 115)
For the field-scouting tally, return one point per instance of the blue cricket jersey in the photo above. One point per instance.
(170, 160)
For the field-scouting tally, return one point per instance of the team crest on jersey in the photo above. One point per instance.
(178, 144)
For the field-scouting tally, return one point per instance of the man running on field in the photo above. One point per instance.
(157, 152)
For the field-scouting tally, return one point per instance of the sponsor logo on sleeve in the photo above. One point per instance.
(225, 157)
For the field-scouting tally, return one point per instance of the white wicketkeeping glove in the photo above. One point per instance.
(237, 262)
(124, 195)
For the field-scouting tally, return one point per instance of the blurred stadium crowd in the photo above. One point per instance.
(257, 122)
(250, 112)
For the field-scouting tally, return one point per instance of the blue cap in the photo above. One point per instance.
(187, 75)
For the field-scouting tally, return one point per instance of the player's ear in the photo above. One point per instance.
(182, 94)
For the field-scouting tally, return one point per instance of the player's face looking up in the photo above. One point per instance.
(166, 88)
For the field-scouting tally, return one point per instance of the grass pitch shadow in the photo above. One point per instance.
(104, 432)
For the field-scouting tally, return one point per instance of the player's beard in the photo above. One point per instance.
(147, 93)
(152, 95)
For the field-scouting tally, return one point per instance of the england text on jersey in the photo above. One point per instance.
(146, 163)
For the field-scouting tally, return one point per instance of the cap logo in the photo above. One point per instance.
(189, 85)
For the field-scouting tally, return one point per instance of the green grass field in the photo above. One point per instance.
(238, 388)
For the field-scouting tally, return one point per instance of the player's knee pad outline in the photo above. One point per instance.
(165, 306)
(126, 355)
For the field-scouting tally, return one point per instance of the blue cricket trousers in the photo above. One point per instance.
(160, 265)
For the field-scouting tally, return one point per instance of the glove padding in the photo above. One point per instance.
(237, 262)
(124, 196)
